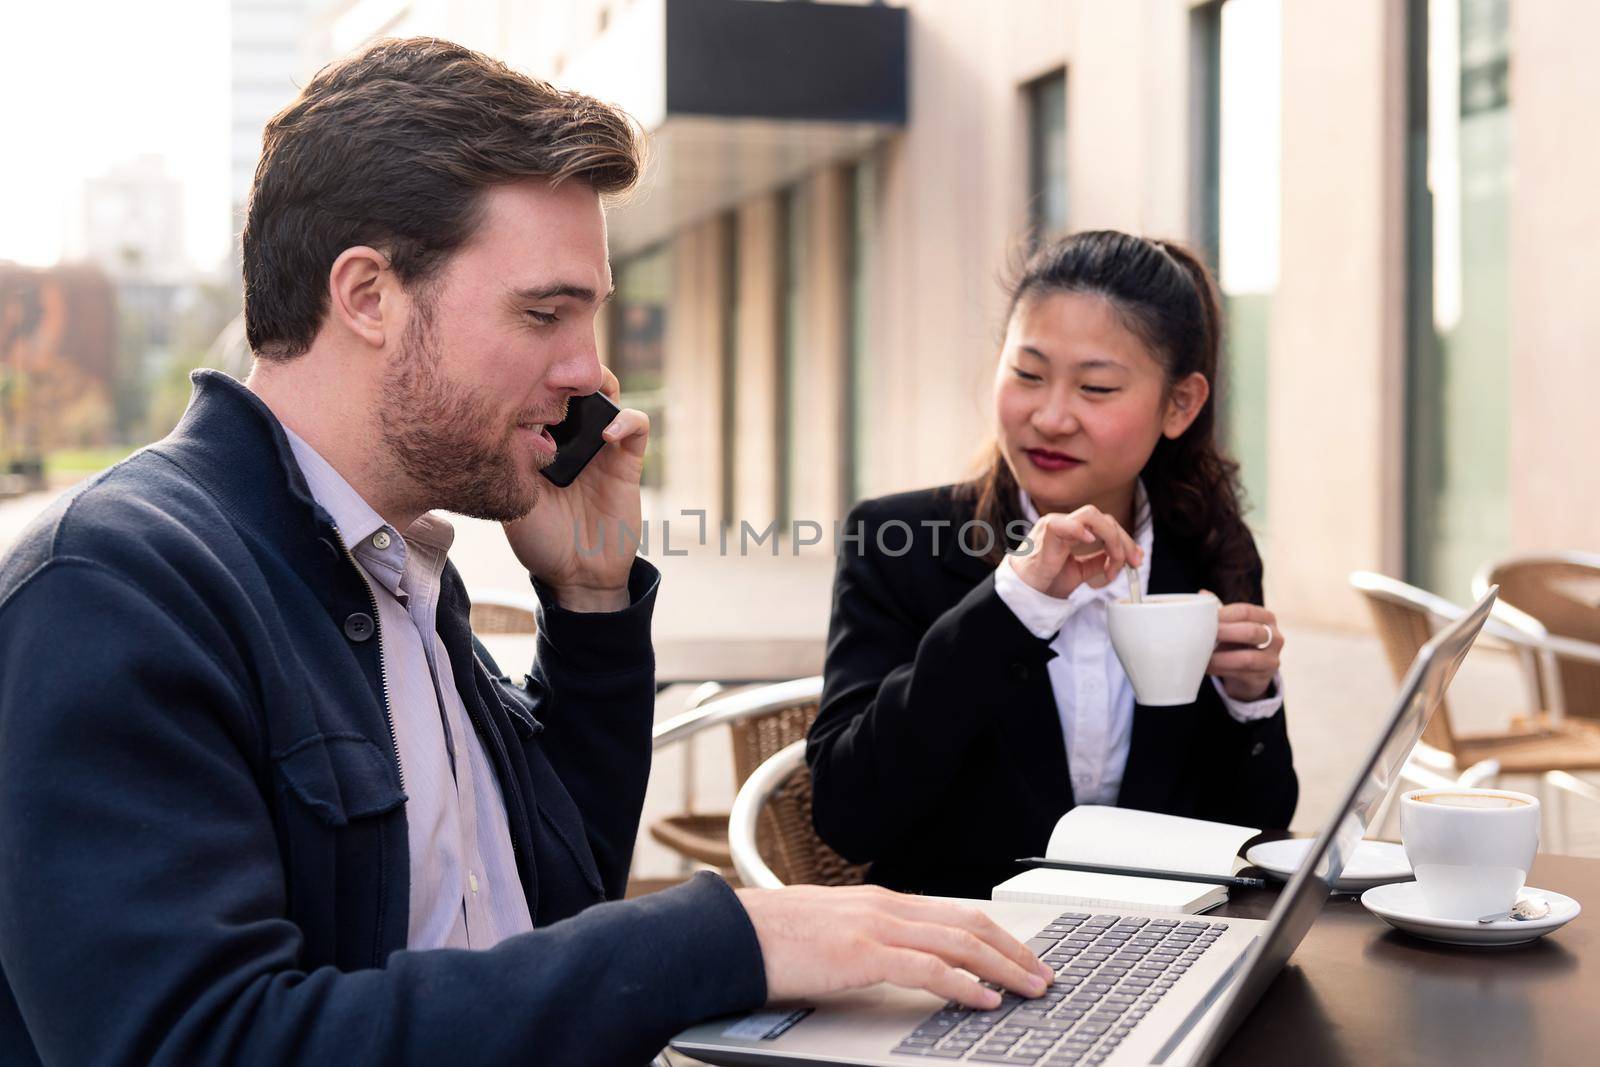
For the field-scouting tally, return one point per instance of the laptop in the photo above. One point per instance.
(1132, 987)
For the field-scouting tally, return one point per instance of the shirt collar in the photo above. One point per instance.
(355, 518)
(359, 524)
(1143, 534)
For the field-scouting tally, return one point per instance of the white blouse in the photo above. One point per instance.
(1093, 695)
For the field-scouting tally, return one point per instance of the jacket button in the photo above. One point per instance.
(1019, 671)
(1259, 747)
(358, 627)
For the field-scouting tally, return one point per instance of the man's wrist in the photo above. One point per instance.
(590, 599)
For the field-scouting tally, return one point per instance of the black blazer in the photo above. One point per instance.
(937, 754)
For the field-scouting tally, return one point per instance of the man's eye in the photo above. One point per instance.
(543, 318)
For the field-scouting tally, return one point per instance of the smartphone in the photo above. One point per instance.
(578, 437)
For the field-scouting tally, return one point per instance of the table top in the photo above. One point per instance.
(1359, 991)
(729, 660)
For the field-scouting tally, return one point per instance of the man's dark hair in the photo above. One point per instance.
(391, 147)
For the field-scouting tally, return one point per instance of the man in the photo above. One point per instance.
(262, 798)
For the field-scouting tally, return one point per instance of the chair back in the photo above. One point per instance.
(758, 738)
(495, 612)
(784, 832)
(770, 832)
(1561, 591)
(1405, 617)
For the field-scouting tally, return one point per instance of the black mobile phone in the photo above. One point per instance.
(578, 436)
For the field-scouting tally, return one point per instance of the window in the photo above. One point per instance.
(861, 224)
(1239, 90)
(1458, 291)
(1047, 155)
(638, 344)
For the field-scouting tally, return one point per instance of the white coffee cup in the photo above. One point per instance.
(1164, 643)
(1469, 848)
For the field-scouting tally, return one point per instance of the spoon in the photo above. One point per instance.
(1522, 910)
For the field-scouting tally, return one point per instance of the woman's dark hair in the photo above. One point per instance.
(393, 147)
(1165, 295)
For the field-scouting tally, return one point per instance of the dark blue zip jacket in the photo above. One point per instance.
(203, 855)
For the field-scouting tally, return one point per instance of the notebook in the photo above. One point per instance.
(1122, 837)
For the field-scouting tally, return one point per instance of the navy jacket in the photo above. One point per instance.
(203, 854)
(937, 754)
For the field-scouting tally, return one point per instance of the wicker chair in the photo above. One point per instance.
(497, 612)
(760, 723)
(1537, 743)
(1556, 599)
(770, 831)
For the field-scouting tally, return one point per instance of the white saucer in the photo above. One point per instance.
(1372, 863)
(1400, 905)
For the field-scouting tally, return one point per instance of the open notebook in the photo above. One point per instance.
(1122, 837)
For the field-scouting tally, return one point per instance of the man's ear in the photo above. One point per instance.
(1184, 402)
(362, 294)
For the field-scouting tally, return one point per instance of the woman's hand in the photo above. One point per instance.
(1248, 647)
(1069, 550)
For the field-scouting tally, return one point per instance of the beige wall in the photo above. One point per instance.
(1337, 343)
(755, 416)
(819, 430)
(692, 436)
(1127, 117)
(1555, 314)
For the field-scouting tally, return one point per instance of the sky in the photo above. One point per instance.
(89, 84)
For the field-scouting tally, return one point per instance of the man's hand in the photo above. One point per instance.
(1069, 550)
(822, 939)
(580, 541)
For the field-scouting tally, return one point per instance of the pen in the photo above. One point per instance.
(1234, 880)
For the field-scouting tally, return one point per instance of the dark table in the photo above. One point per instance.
(1358, 991)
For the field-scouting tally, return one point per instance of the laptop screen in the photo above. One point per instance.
(1302, 900)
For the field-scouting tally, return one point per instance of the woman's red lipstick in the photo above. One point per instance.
(1048, 460)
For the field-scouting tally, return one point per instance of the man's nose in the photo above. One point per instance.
(577, 372)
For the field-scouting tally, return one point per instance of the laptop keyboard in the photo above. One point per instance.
(1110, 971)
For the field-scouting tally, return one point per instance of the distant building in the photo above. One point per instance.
(133, 222)
(266, 45)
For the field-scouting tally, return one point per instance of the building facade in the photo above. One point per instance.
(266, 38)
(1396, 194)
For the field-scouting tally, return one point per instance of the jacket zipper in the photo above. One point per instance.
(383, 677)
(383, 666)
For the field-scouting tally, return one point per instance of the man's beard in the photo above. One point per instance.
(445, 439)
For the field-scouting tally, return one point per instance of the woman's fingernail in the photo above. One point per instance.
(990, 999)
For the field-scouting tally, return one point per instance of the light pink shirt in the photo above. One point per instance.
(465, 892)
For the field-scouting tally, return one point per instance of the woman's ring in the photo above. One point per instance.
(1268, 641)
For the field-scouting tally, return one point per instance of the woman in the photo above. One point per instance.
(971, 694)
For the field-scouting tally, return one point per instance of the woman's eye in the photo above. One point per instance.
(1025, 376)
(1099, 390)
(543, 318)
